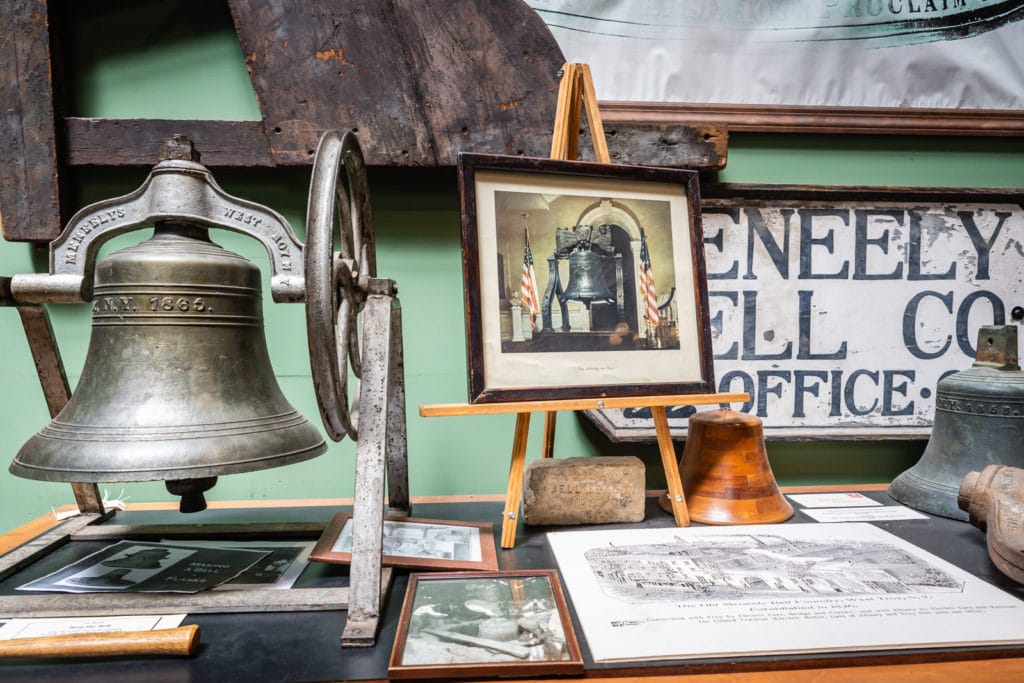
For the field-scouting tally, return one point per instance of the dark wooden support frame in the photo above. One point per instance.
(511, 115)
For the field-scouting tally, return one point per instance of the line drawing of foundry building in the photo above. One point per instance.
(740, 567)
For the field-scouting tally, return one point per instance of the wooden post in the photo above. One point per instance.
(549, 434)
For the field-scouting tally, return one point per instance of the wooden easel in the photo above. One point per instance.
(576, 93)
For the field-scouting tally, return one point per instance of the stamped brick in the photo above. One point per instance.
(587, 490)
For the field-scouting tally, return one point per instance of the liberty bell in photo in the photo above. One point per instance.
(979, 421)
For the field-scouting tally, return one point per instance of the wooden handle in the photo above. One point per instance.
(182, 641)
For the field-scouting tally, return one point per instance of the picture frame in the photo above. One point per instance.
(582, 280)
(924, 268)
(415, 543)
(473, 624)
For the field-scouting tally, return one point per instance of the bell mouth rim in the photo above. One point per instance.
(28, 470)
(933, 497)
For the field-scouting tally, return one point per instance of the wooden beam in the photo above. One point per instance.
(419, 79)
(827, 120)
(134, 142)
(29, 199)
(242, 144)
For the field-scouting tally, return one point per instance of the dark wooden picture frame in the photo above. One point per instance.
(516, 608)
(623, 224)
(324, 550)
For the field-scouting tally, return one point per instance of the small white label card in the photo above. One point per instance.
(832, 500)
(63, 626)
(878, 514)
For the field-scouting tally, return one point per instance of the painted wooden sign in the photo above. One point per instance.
(839, 309)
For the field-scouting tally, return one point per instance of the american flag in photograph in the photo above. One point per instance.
(647, 283)
(528, 286)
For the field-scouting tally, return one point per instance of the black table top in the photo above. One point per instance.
(305, 646)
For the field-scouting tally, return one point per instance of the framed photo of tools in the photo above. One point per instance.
(582, 280)
(471, 624)
(415, 543)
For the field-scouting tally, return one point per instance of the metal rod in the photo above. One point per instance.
(397, 446)
(368, 506)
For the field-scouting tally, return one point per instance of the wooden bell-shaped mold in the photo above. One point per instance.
(725, 472)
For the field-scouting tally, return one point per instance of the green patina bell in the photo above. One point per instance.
(979, 421)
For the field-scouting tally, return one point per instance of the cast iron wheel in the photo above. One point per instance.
(336, 282)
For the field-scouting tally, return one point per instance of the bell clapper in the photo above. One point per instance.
(191, 492)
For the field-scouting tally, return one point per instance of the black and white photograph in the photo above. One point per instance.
(479, 624)
(278, 570)
(136, 566)
(414, 542)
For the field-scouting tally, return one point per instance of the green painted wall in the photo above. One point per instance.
(170, 63)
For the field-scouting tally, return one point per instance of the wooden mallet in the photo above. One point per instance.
(182, 641)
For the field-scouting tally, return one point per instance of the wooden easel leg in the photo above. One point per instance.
(514, 494)
(576, 94)
(668, 461)
(549, 434)
(563, 131)
(594, 121)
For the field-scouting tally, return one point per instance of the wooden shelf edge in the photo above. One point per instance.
(450, 409)
(820, 120)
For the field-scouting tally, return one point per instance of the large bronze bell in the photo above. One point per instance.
(979, 421)
(587, 282)
(177, 383)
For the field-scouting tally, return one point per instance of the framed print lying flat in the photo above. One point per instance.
(415, 543)
(733, 592)
(470, 624)
(582, 280)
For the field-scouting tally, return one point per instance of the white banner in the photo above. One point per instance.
(959, 54)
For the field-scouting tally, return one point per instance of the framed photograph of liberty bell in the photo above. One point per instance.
(582, 280)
